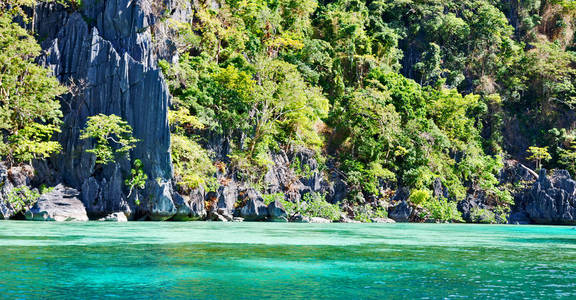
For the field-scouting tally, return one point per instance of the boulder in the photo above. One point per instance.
(224, 213)
(61, 204)
(191, 207)
(254, 209)
(298, 218)
(277, 212)
(401, 212)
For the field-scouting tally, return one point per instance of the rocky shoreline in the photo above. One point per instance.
(543, 199)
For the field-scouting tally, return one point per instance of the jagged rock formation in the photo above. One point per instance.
(105, 51)
(10, 179)
(551, 200)
(277, 212)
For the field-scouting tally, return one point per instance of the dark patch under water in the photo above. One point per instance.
(270, 260)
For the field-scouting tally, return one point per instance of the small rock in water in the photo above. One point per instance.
(300, 219)
(319, 220)
(382, 220)
(224, 214)
(115, 217)
(219, 217)
(345, 219)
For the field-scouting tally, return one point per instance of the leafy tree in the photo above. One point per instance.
(568, 156)
(112, 136)
(193, 166)
(22, 198)
(538, 154)
(29, 111)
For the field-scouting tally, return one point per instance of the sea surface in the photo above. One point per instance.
(209, 260)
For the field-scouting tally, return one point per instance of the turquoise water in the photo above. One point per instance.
(271, 260)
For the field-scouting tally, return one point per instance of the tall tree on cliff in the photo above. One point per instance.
(29, 111)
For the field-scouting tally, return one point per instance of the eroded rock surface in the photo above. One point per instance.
(61, 204)
(105, 52)
(551, 200)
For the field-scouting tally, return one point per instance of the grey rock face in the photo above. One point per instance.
(191, 207)
(6, 186)
(277, 212)
(9, 180)
(61, 204)
(255, 209)
(551, 200)
(514, 172)
(440, 191)
(105, 50)
(471, 202)
(227, 197)
(106, 195)
(401, 212)
(296, 175)
(519, 218)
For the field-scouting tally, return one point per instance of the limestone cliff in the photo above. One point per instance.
(104, 51)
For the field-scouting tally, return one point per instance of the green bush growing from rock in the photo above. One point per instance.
(112, 136)
(482, 215)
(316, 206)
(22, 198)
(137, 178)
(443, 210)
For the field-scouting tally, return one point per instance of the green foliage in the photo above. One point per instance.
(137, 178)
(33, 142)
(311, 205)
(314, 205)
(482, 215)
(442, 210)
(419, 197)
(401, 93)
(22, 198)
(567, 156)
(538, 154)
(29, 111)
(365, 213)
(269, 198)
(192, 164)
(112, 136)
